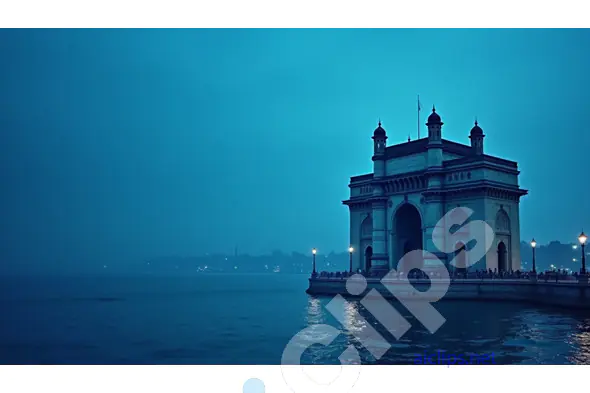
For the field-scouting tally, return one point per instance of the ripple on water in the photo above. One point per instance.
(481, 341)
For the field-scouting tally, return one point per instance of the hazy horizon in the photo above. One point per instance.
(124, 145)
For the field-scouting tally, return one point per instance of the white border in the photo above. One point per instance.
(230, 379)
(302, 13)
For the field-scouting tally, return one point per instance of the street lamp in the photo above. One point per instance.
(350, 250)
(582, 238)
(314, 251)
(534, 245)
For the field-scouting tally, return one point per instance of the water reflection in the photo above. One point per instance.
(580, 342)
(353, 324)
(514, 333)
(314, 312)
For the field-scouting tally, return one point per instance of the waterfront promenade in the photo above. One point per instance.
(567, 291)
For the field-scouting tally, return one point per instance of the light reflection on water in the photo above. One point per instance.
(513, 333)
(314, 312)
(580, 342)
(353, 324)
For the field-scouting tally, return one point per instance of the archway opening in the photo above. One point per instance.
(502, 266)
(368, 256)
(366, 242)
(408, 230)
(407, 247)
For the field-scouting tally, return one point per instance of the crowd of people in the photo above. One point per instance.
(548, 275)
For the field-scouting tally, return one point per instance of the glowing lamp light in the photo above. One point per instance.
(314, 251)
(350, 249)
(533, 243)
(575, 247)
(582, 238)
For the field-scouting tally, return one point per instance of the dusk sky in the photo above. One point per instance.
(121, 145)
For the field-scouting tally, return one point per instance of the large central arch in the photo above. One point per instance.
(407, 235)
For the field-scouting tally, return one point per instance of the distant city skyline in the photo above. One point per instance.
(123, 145)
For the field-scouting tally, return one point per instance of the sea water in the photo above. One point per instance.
(249, 319)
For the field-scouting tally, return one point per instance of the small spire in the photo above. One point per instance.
(433, 108)
(475, 120)
(379, 122)
(408, 137)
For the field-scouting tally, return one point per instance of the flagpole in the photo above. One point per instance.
(418, 116)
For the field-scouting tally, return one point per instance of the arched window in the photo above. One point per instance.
(502, 221)
(367, 228)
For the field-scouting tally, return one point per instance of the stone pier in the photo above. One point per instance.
(567, 294)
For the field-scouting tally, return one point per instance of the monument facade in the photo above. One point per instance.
(395, 209)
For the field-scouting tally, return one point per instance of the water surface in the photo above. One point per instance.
(249, 319)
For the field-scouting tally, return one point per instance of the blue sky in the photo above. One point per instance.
(121, 145)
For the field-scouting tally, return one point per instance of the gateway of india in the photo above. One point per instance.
(394, 209)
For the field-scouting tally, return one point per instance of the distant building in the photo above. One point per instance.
(395, 209)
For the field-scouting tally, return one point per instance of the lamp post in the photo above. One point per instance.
(534, 245)
(350, 250)
(313, 251)
(582, 238)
